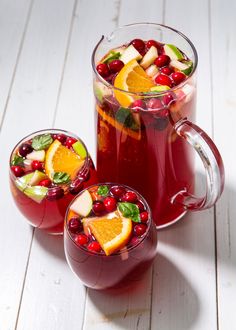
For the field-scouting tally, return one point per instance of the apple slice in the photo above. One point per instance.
(79, 149)
(152, 70)
(36, 178)
(130, 54)
(101, 91)
(149, 57)
(173, 52)
(37, 193)
(37, 155)
(185, 66)
(83, 204)
(160, 88)
(23, 182)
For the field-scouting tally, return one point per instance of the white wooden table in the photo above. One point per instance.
(46, 81)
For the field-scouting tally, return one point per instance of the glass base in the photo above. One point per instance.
(172, 222)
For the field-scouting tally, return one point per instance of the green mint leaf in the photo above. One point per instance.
(111, 56)
(42, 142)
(129, 210)
(17, 160)
(61, 177)
(125, 117)
(103, 190)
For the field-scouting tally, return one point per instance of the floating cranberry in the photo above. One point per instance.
(55, 193)
(154, 103)
(144, 216)
(168, 98)
(60, 137)
(94, 247)
(81, 239)
(37, 165)
(17, 170)
(25, 149)
(75, 225)
(117, 191)
(154, 43)
(138, 44)
(45, 183)
(115, 66)
(166, 70)
(103, 70)
(140, 206)
(76, 186)
(139, 229)
(69, 142)
(138, 104)
(162, 60)
(134, 241)
(98, 207)
(130, 197)
(178, 77)
(162, 79)
(110, 203)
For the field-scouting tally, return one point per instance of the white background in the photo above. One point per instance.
(46, 81)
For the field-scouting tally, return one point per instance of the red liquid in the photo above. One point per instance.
(157, 163)
(48, 215)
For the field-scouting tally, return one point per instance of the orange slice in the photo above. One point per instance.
(124, 130)
(131, 78)
(111, 231)
(61, 159)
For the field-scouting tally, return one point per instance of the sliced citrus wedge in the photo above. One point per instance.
(111, 231)
(61, 159)
(124, 130)
(131, 78)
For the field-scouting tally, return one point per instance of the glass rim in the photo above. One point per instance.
(151, 94)
(120, 252)
(54, 131)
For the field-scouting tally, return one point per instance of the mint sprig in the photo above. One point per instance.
(17, 160)
(103, 191)
(129, 210)
(41, 142)
(61, 177)
(111, 56)
(125, 117)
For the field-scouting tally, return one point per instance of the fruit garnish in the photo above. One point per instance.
(101, 91)
(41, 142)
(113, 55)
(83, 204)
(129, 210)
(149, 57)
(173, 52)
(36, 155)
(17, 160)
(61, 159)
(36, 178)
(61, 177)
(103, 190)
(131, 78)
(160, 88)
(22, 182)
(111, 231)
(125, 117)
(152, 70)
(79, 149)
(124, 130)
(184, 66)
(130, 54)
(37, 193)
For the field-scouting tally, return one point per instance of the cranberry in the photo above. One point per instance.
(162, 60)
(144, 216)
(76, 186)
(98, 207)
(115, 66)
(151, 43)
(117, 191)
(138, 104)
(166, 70)
(162, 79)
(110, 203)
(45, 183)
(60, 137)
(134, 241)
(81, 239)
(178, 77)
(130, 197)
(37, 165)
(25, 149)
(154, 103)
(168, 98)
(69, 142)
(139, 229)
(55, 193)
(103, 70)
(75, 225)
(94, 247)
(17, 170)
(140, 206)
(138, 44)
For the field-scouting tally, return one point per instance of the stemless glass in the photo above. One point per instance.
(118, 270)
(157, 156)
(48, 213)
